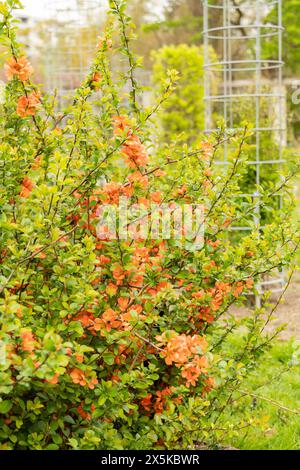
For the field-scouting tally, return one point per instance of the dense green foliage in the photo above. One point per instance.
(113, 343)
(184, 110)
(291, 38)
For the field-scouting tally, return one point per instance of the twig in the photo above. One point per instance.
(269, 400)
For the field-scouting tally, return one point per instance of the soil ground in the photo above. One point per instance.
(288, 312)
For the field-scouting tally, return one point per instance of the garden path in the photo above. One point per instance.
(288, 312)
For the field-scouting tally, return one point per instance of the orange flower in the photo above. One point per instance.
(209, 384)
(110, 320)
(40, 255)
(146, 402)
(197, 344)
(211, 265)
(96, 80)
(119, 274)
(181, 191)
(219, 293)
(162, 285)
(120, 125)
(83, 413)
(28, 105)
(205, 314)
(96, 281)
(249, 283)
(238, 289)
(198, 295)
(128, 315)
(213, 244)
(223, 287)
(85, 318)
(111, 289)
(19, 68)
(104, 259)
(92, 383)
(78, 377)
(135, 152)
(104, 42)
(177, 350)
(159, 406)
(36, 164)
(156, 197)
(207, 172)
(113, 191)
(138, 178)
(161, 400)
(180, 348)
(207, 149)
(98, 325)
(27, 186)
(53, 380)
(123, 303)
(127, 190)
(141, 256)
(217, 301)
(27, 341)
(193, 370)
(57, 130)
(137, 280)
(144, 201)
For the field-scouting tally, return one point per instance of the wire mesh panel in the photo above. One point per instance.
(73, 30)
(244, 83)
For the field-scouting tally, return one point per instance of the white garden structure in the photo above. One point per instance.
(73, 29)
(244, 82)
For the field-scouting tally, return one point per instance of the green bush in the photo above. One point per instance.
(183, 113)
(109, 342)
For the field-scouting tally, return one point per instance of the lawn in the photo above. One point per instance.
(275, 380)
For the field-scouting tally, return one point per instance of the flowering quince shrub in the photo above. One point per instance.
(111, 342)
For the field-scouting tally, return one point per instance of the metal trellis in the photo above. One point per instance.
(245, 81)
(73, 30)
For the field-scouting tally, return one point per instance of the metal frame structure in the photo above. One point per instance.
(73, 30)
(253, 82)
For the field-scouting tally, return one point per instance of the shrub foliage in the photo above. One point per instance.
(183, 113)
(107, 343)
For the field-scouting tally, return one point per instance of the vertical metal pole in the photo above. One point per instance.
(74, 26)
(281, 126)
(257, 217)
(280, 121)
(248, 71)
(225, 73)
(208, 123)
(230, 58)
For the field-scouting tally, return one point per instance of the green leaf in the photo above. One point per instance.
(109, 358)
(5, 406)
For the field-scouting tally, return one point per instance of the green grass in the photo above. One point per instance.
(282, 428)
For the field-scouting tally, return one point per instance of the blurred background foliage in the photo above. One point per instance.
(177, 24)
